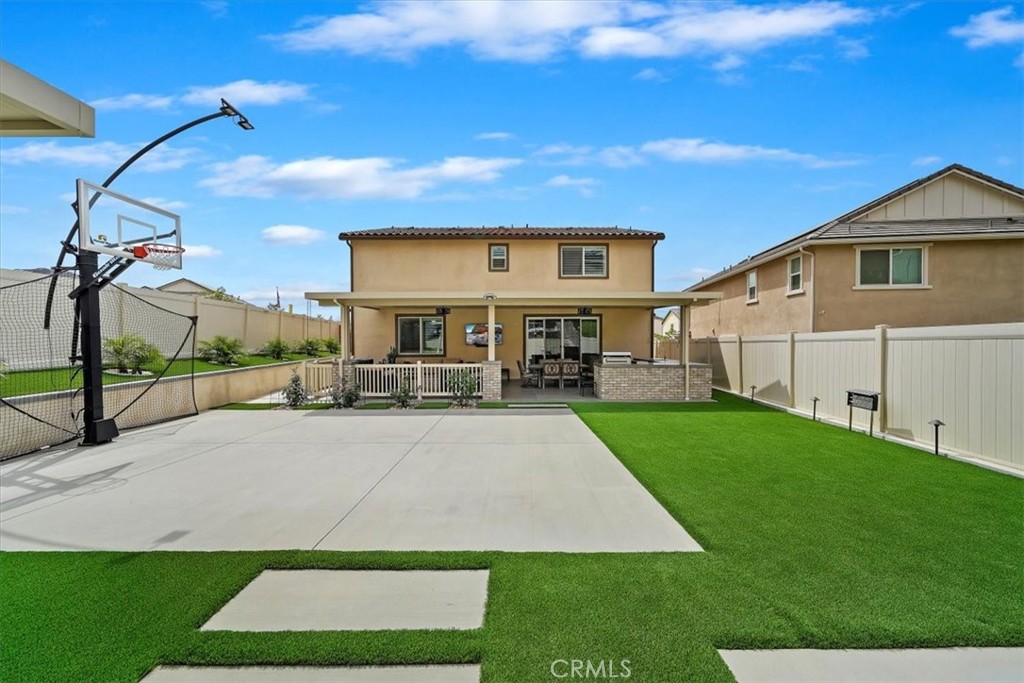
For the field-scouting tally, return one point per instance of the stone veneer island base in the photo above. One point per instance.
(647, 382)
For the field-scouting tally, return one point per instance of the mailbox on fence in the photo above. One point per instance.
(865, 400)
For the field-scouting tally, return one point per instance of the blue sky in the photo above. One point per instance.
(727, 126)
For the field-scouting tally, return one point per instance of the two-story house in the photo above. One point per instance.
(946, 249)
(549, 293)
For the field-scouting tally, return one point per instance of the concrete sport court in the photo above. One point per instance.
(331, 480)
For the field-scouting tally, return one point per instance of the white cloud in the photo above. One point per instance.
(620, 156)
(217, 8)
(995, 27)
(11, 210)
(926, 161)
(201, 251)
(291, 290)
(584, 185)
(333, 178)
(535, 31)
(133, 101)
(564, 154)
(246, 92)
(107, 155)
(853, 50)
(728, 63)
(169, 204)
(496, 135)
(291, 235)
(650, 74)
(698, 150)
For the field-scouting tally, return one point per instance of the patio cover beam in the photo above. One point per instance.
(594, 299)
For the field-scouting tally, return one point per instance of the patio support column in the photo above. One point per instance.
(343, 321)
(684, 339)
(490, 331)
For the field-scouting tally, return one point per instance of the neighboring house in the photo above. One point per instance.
(947, 249)
(185, 286)
(668, 325)
(555, 293)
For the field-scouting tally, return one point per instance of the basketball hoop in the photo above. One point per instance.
(162, 256)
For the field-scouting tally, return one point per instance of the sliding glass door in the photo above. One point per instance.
(572, 338)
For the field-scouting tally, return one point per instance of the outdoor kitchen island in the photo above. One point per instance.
(618, 377)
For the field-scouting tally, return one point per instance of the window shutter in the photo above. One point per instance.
(595, 261)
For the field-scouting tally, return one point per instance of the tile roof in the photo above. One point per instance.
(843, 227)
(501, 232)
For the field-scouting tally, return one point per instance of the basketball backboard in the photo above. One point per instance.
(118, 225)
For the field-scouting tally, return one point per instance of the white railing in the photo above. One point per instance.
(319, 377)
(423, 379)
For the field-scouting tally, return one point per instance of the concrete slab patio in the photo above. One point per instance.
(246, 480)
(462, 673)
(341, 600)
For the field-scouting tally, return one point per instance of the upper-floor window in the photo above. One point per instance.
(420, 335)
(752, 287)
(498, 257)
(583, 261)
(890, 267)
(796, 275)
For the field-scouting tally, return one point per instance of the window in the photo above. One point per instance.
(421, 335)
(796, 274)
(573, 338)
(498, 257)
(584, 261)
(752, 287)
(899, 267)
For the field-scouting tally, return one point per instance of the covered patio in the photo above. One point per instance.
(621, 323)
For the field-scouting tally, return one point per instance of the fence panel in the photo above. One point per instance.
(766, 366)
(970, 377)
(424, 379)
(319, 377)
(723, 355)
(827, 364)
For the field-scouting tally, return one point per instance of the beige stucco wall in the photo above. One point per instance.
(775, 311)
(621, 330)
(970, 282)
(394, 265)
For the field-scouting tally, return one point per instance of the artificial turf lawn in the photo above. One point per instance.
(61, 379)
(814, 537)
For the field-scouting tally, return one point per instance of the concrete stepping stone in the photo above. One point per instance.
(343, 600)
(933, 665)
(461, 673)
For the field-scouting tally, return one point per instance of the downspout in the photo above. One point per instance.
(351, 287)
(650, 326)
(814, 283)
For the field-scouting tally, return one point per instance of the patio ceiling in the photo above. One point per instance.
(30, 107)
(514, 299)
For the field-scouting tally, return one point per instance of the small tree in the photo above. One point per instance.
(222, 350)
(391, 356)
(276, 348)
(220, 294)
(295, 393)
(344, 395)
(130, 352)
(402, 397)
(462, 384)
(331, 345)
(309, 346)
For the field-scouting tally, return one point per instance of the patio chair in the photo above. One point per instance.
(586, 378)
(526, 378)
(570, 372)
(552, 372)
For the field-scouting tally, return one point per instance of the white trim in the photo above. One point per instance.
(923, 246)
(795, 292)
(583, 260)
(790, 274)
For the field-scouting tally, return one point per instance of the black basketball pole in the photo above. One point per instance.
(97, 429)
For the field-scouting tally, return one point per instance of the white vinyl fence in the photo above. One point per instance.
(971, 377)
(425, 380)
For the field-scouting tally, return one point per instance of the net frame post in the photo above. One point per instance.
(97, 429)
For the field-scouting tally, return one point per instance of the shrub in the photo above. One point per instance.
(276, 348)
(462, 384)
(344, 395)
(331, 345)
(391, 356)
(295, 393)
(130, 352)
(222, 350)
(402, 397)
(310, 347)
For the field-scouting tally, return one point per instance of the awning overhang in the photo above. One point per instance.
(30, 107)
(514, 299)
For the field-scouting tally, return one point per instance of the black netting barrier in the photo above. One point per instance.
(148, 366)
